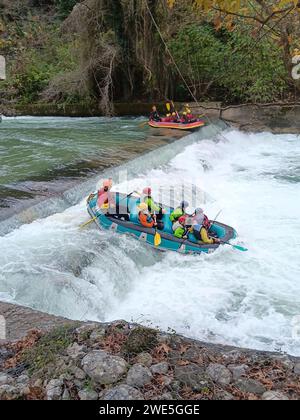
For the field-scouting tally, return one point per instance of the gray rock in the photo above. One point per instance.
(65, 377)
(66, 395)
(233, 356)
(144, 359)
(103, 368)
(78, 373)
(98, 334)
(5, 379)
(23, 390)
(219, 374)
(193, 376)
(238, 371)
(285, 361)
(38, 383)
(167, 396)
(84, 332)
(9, 392)
(224, 396)
(54, 389)
(250, 386)
(139, 376)
(192, 355)
(122, 393)
(175, 386)
(274, 396)
(75, 351)
(88, 395)
(160, 369)
(297, 369)
(166, 380)
(163, 338)
(23, 379)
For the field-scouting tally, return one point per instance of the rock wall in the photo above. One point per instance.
(278, 119)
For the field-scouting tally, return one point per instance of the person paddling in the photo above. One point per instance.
(145, 217)
(201, 228)
(153, 208)
(105, 198)
(179, 211)
(154, 115)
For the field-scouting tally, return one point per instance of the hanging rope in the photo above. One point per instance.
(176, 66)
(170, 54)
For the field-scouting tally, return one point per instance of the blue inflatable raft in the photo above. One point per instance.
(127, 205)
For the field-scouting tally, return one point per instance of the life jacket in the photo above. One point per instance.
(176, 226)
(154, 116)
(152, 207)
(146, 220)
(104, 199)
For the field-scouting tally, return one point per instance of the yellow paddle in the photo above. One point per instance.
(157, 237)
(88, 223)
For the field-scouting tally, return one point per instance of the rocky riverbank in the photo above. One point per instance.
(51, 358)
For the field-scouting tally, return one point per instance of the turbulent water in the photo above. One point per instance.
(246, 299)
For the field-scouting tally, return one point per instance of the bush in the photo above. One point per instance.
(65, 7)
(228, 66)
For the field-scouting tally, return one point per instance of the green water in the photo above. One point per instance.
(41, 156)
(34, 147)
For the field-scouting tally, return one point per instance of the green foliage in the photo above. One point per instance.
(139, 340)
(32, 81)
(65, 6)
(48, 348)
(228, 63)
(31, 72)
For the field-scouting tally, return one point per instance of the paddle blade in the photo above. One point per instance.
(240, 248)
(88, 223)
(157, 239)
(142, 125)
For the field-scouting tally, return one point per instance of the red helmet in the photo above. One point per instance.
(147, 191)
(182, 220)
(206, 223)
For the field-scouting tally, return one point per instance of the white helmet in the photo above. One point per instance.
(190, 211)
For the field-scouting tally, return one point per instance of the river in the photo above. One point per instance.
(47, 263)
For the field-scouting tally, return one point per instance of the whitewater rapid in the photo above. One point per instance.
(245, 299)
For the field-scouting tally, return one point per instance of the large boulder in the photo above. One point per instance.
(88, 395)
(274, 396)
(103, 368)
(250, 386)
(192, 376)
(219, 374)
(54, 389)
(139, 376)
(122, 393)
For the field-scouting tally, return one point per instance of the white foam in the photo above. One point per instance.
(245, 299)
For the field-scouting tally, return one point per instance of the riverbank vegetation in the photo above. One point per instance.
(67, 51)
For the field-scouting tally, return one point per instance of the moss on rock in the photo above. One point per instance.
(140, 340)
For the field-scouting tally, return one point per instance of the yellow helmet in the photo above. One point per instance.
(143, 207)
